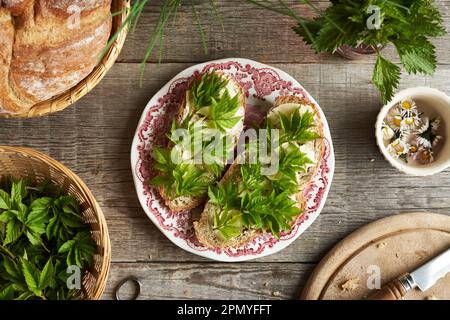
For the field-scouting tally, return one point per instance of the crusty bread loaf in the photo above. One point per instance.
(203, 230)
(45, 51)
(185, 203)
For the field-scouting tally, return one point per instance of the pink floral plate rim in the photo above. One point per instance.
(261, 84)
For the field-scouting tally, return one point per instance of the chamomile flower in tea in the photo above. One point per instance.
(426, 134)
(387, 132)
(409, 134)
(423, 156)
(394, 118)
(408, 105)
(398, 148)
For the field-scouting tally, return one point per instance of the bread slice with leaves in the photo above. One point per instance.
(247, 201)
(201, 141)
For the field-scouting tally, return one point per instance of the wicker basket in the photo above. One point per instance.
(72, 95)
(36, 166)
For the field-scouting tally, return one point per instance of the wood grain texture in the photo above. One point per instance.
(93, 137)
(396, 244)
(249, 32)
(211, 280)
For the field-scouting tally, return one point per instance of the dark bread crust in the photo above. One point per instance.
(206, 235)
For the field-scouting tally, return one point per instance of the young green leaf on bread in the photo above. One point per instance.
(246, 202)
(212, 111)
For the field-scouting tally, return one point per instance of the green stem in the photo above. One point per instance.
(200, 28)
(216, 13)
(44, 246)
(7, 252)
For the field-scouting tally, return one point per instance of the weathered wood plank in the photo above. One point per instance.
(250, 32)
(210, 280)
(94, 137)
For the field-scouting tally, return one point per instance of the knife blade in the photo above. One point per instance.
(428, 274)
(423, 278)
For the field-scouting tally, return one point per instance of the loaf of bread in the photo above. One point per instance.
(47, 47)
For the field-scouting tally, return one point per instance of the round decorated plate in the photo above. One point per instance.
(262, 84)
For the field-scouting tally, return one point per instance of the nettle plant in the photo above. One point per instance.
(408, 25)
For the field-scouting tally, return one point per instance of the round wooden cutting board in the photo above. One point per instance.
(393, 246)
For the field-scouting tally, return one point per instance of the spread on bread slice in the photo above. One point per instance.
(212, 113)
(247, 202)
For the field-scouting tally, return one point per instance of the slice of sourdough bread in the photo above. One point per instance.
(314, 149)
(185, 203)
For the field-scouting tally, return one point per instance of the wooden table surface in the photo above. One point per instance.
(93, 137)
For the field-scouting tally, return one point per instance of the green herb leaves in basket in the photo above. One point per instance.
(406, 24)
(42, 234)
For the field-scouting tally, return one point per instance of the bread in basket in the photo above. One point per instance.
(49, 46)
(37, 167)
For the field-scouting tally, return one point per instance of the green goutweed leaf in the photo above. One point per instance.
(34, 223)
(5, 200)
(79, 251)
(7, 293)
(32, 275)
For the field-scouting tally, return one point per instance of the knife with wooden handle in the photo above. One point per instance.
(423, 278)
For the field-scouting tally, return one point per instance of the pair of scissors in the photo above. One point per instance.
(133, 280)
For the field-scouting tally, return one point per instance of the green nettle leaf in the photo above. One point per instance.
(409, 25)
(418, 58)
(386, 77)
(308, 30)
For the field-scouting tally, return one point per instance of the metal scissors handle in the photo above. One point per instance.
(137, 285)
